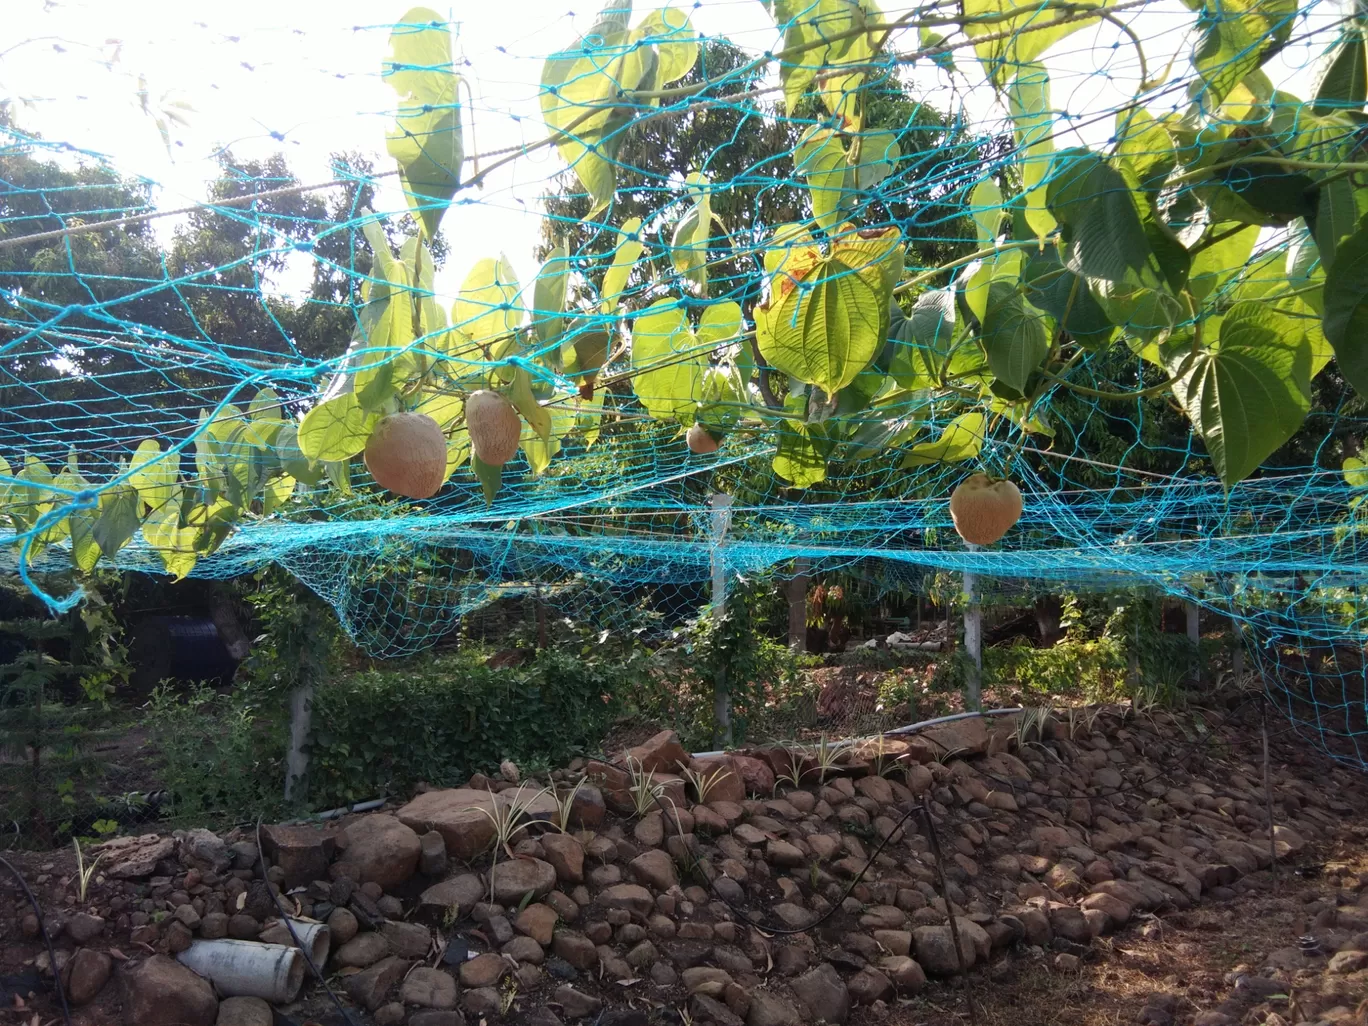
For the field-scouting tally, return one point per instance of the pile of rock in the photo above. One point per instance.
(605, 893)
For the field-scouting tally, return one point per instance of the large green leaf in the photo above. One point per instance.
(801, 456)
(1346, 308)
(821, 160)
(488, 309)
(1344, 85)
(1237, 37)
(1022, 37)
(808, 24)
(962, 439)
(1028, 96)
(1093, 204)
(675, 41)
(1249, 393)
(1216, 265)
(922, 340)
(154, 481)
(689, 246)
(827, 317)
(548, 295)
(625, 255)
(336, 429)
(667, 361)
(1014, 335)
(119, 520)
(1052, 287)
(426, 138)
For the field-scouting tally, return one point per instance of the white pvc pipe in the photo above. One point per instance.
(240, 968)
(315, 938)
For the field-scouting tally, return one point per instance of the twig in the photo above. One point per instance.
(949, 907)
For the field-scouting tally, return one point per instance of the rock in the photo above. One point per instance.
(127, 858)
(895, 942)
(710, 1010)
(243, 927)
(380, 850)
(508, 769)
(705, 979)
(566, 855)
(513, 880)
(823, 994)
(178, 937)
(342, 925)
(935, 950)
(89, 971)
(575, 948)
(654, 869)
(869, 985)
(1348, 961)
(632, 897)
(244, 1011)
(389, 1014)
(769, 1009)
(1066, 962)
(187, 915)
(428, 988)
(784, 855)
(483, 971)
(204, 850)
(432, 856)
(371, 987)
(407, 940)
(575, 1004)
(725, 782)
(303, 852)
(436, 1017)
(461, 892)
(905, 974)
(162, 992)
(1036, 926)
(538, 922)
(362, 950)
(84, 928)
(459, 815)
(214, 925)
(482, 1002)
(1069, 923)
(1117, 911)
(661, 754)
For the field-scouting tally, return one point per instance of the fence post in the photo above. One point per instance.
(973, 641)
(797, 606)
(1194, 634)
(297, 759)
(721, 520)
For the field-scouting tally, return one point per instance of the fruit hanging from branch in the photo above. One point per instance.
(983, 510)
(701, 440)
(407, 455)
(494, 427)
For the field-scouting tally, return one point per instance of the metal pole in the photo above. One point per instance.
(721, 520)
(973, 640)
(797, 602)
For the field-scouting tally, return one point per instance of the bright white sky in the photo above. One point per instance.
(303, 77)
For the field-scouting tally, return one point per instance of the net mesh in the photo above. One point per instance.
(188, 335)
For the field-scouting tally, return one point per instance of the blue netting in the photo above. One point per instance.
(114, 336)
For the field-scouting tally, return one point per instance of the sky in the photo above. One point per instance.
(303, 77)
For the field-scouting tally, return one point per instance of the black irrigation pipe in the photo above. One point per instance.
(42, 928)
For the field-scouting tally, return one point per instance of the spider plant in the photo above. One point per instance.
(565, 805)
(510, 818)
(84, 872)
(826, 756)
(645, 792)
(705, 783)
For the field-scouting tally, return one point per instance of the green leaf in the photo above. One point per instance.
(625, 255)
(1250, 393)
(719, 323)
(1238, 36)
(548, 296)
(668, 362)
(1345, 321)
(293, 461)
(490, 478)
(675, 41)
(821, 160)
(526, 403)
(155, 482)
(824, 321)
(801, 457)
(1355, 472)
(1028, 97)
(985, 204)
(689, 246)
(336, 430)
(85, 551)
(1022, 37)
(1215, 265)
(929, 41)
(1336, 218)
(1052, 287)
(1014, 335)
(488, 309)
(175, 544)
(1093, 204)
(119, 519)
(962, 439)
(426, 139)
(1344, 85)
(879, 155)
(277, 493)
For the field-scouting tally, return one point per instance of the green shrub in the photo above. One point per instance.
(1095, 670)
(222, 754)
(380, 731)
